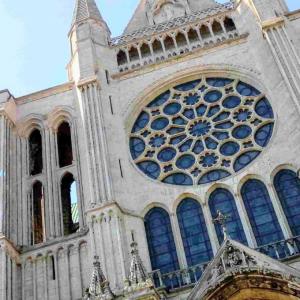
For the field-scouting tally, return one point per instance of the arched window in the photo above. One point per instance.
(35, 153)
(287, 185)
(37, 213)
(229, 24)
(69, 204)
(222, 200)
(160, 239)
(194, 234)
(64, 144)
(122, 58)
(261, 212)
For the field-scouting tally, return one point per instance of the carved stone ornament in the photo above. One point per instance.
(235, 264)
(99, 288)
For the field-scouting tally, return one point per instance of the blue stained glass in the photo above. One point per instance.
(178, 139)
(213, 96)
(150, 168)
(161, 99)
(242, 132)
(189, 113)
(245, 159)
(179, 179)
(264, 109)
(230, 148)
(287, 185)
(218, 82)
(193, 231)
(160, 123)
(261, 213)
(186, 145)
(161, 243)
(175, 130)
(214, 175)
(222, 116)
(187, 86)
(137, 147)
(179, 121)
(232, 102)
(201, 109)
(198, 148)
(198, 119)
(222, 200)
(221, 135)
(263, 135)
(185, 161)
(172, 109)
(211, 144)
(246, 90)
(213, 110)
(166, 154)
(141, 122)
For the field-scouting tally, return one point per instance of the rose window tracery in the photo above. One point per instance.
(201, 131)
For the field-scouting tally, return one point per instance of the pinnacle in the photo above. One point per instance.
(86, 9)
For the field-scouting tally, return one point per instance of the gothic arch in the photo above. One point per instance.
(29, 123)
(183, 196)
(60, 114)
(145, 211)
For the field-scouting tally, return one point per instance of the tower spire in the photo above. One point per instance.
(86, 9)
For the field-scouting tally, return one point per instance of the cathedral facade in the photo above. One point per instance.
(167, 167)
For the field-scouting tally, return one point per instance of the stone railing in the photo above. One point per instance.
(282, 249)
(188, 277)
(178, 279)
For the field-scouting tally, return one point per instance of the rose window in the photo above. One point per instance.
(201, 131)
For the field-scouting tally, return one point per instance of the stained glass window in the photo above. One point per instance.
(194, 234)
(222, 200)
(261, 213)
(161, 241)
(287, 185)
(201, 131)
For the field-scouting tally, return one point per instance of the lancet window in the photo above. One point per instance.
(222, 200)
(194, 234)
(35, 153)
(69, 204)
(287, 185)
(64, 145)
(261, 213)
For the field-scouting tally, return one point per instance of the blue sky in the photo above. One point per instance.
(35, 50)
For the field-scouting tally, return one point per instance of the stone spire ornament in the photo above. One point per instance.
(99, 288)
(139, 285)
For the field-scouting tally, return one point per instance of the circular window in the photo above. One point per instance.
(201, 131)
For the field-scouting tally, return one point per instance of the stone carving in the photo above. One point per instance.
(99, 288)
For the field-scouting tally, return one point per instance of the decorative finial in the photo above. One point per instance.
(99, 287)
(222, 220)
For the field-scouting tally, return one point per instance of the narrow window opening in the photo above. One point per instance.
(38, 213)
(35, 153)
(121, 169)
(107, 77)
(64, 141)
(69, 204)
(111, 105)
(53, 267)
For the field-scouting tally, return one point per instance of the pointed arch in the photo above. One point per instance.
(287, 186)
(261, 212)
(194, 233)
(35, 152)
(162, 249)
(64, 144)
(69, 204)
(222, 200)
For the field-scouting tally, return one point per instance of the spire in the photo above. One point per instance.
(99, 287)
(86, 9)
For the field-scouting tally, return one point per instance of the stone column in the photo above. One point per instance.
(96, 144)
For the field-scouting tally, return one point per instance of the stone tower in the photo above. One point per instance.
(166, 163)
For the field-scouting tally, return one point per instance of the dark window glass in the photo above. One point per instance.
(261, 213)
(222, 200)
(287, 185)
